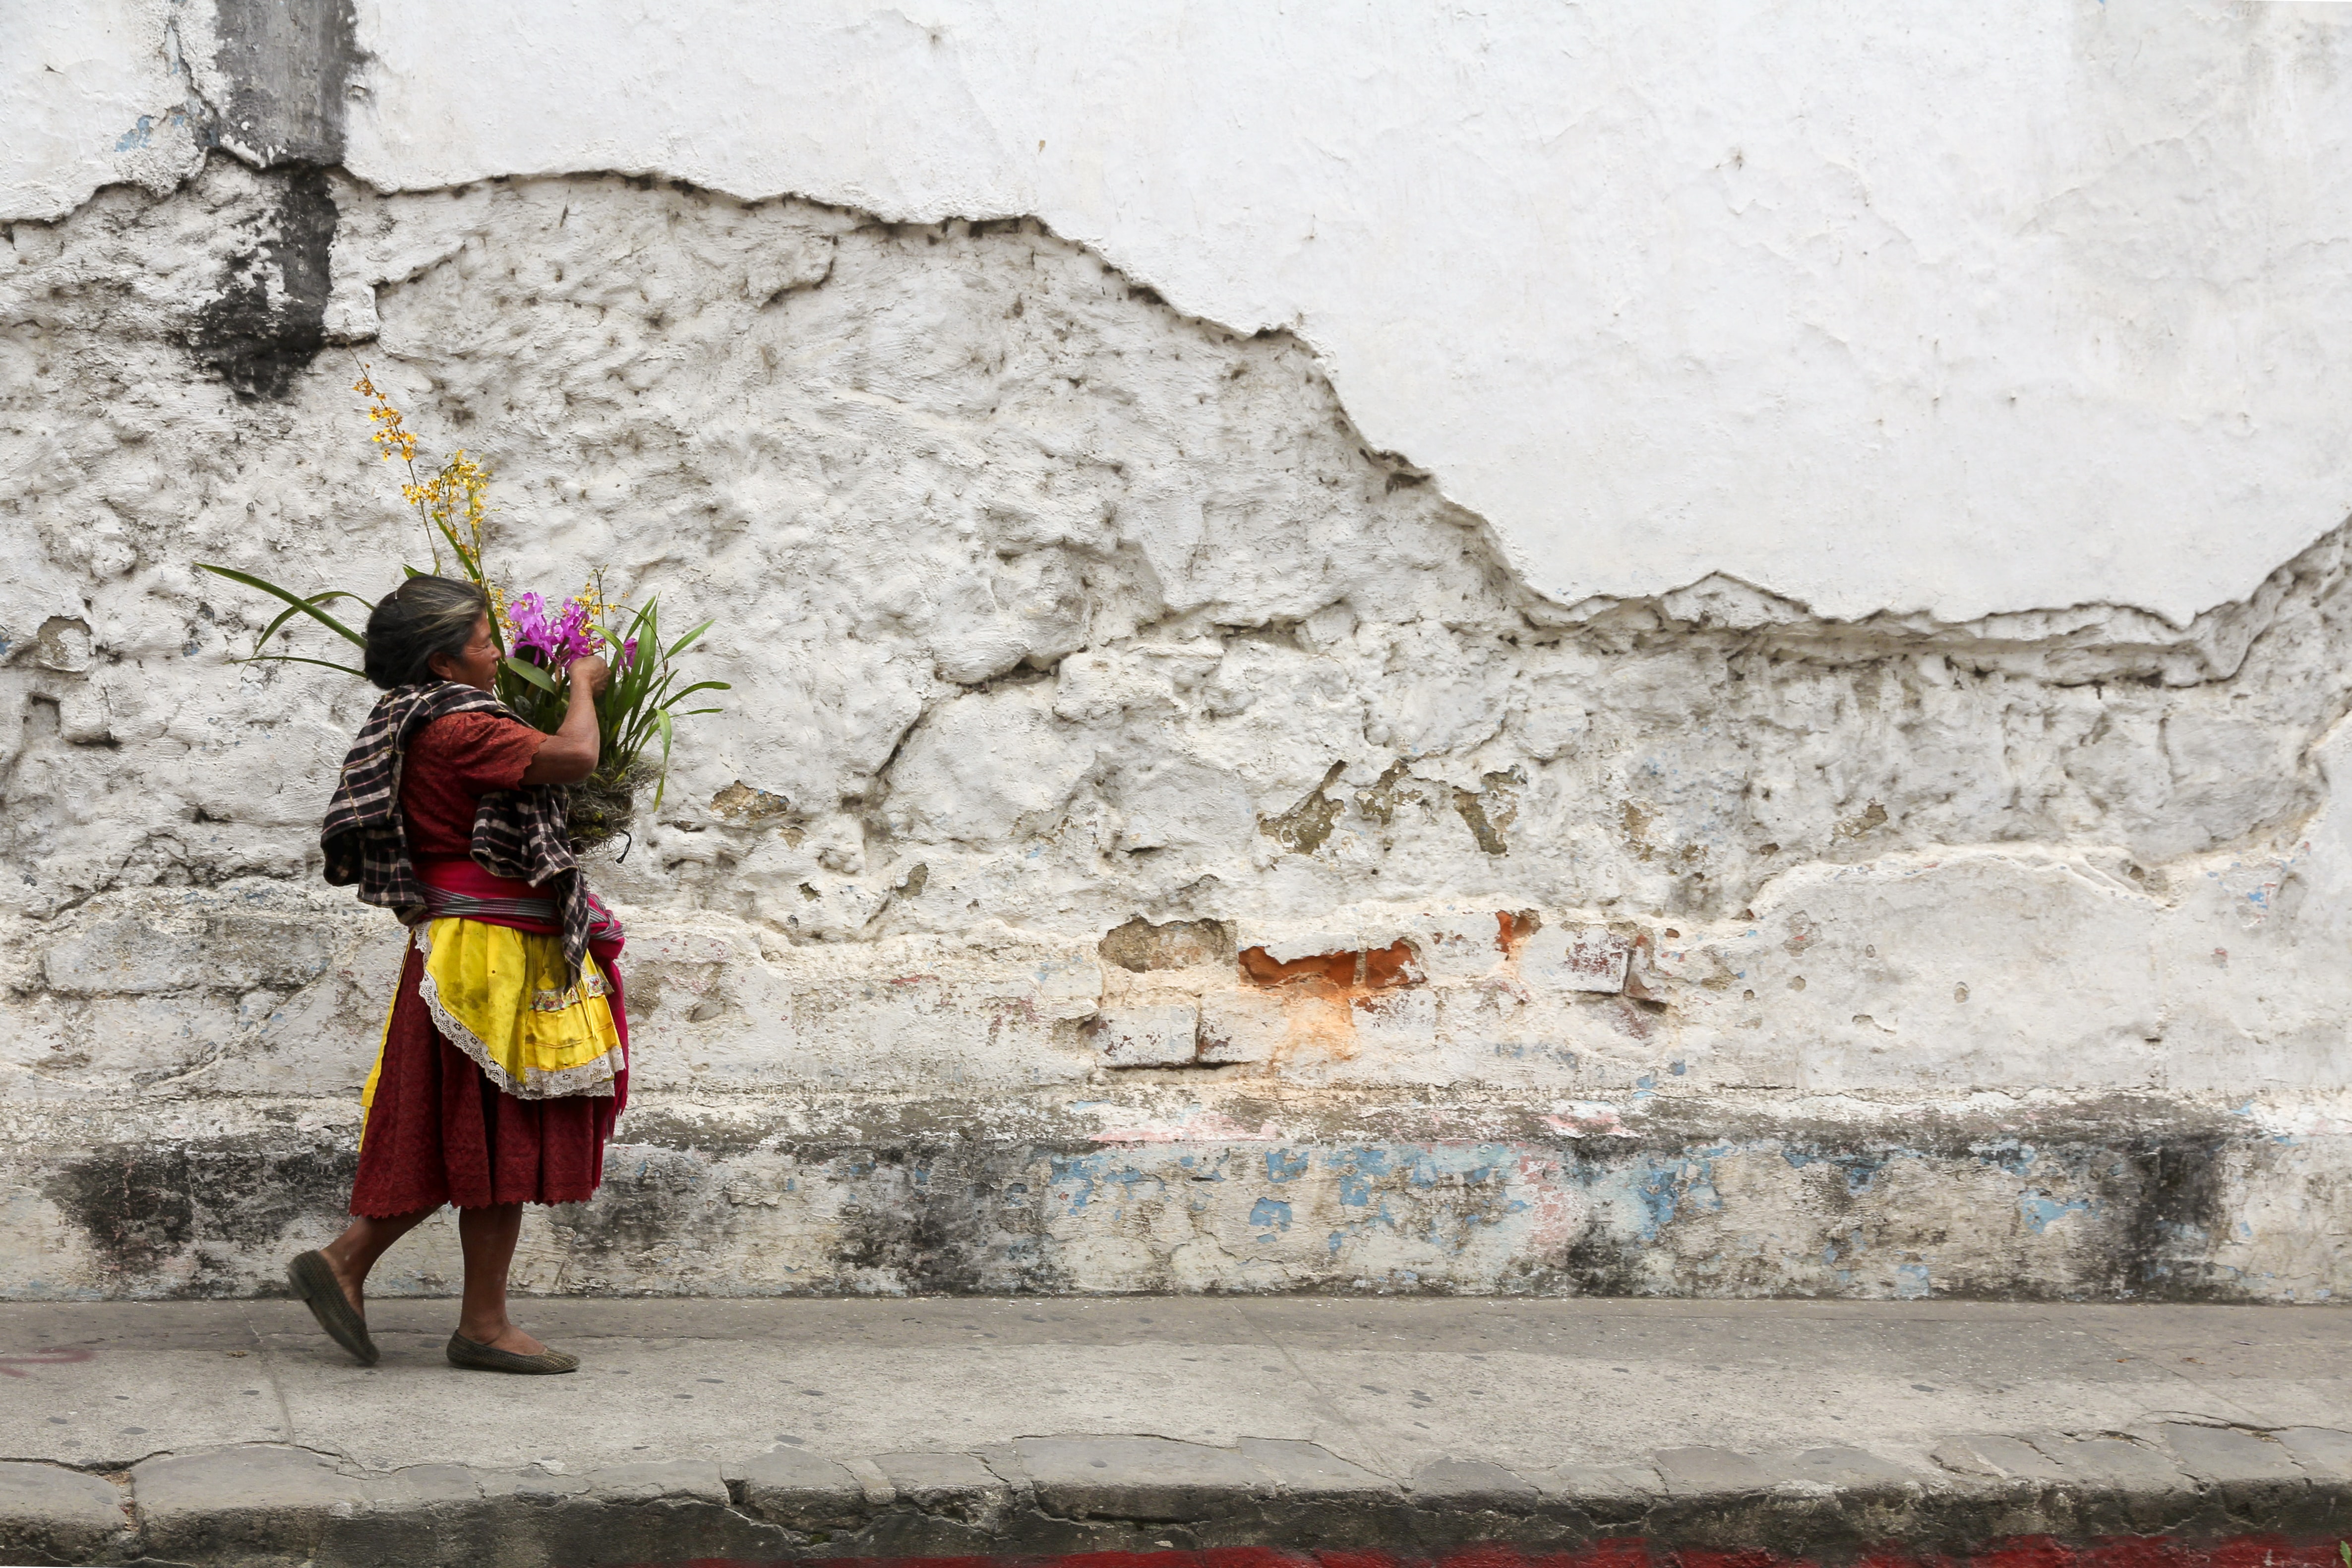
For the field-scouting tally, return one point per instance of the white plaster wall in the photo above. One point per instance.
(1944, 309)
(1729, 947)
(94, 96)
(1048, 608)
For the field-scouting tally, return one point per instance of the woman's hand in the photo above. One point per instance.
(591, 671)
(570, 754)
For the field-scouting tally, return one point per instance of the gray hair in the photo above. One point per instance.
(423, 616)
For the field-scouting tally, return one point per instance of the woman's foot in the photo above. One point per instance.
(486, 1339)
(333, 1280)
(476, 1356)
(313, 1276)
(499, 1336)
(348, 1274)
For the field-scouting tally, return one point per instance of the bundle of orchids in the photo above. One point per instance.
(640, 704)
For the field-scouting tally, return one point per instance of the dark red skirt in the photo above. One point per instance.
(439, 1132)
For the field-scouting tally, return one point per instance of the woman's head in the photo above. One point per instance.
(431, 629)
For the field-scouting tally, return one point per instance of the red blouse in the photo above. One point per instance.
(452, 762)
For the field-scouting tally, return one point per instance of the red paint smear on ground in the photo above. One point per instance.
(2024, 1551)
(61, 1355)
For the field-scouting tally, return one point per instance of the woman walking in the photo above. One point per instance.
(504, 1061)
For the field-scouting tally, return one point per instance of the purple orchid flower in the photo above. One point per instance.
(575, 640)
(551, 642)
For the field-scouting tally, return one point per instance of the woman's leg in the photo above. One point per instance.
(489, 1235)
(365, 1240)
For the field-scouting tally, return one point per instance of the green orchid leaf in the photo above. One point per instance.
(296, 658)
(330, 595)
(530, 672)
(301, 604)
(661, 785)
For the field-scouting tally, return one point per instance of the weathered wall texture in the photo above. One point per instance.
(1156, 840)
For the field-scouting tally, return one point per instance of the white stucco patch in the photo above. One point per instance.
(98, 94)
(1957, 311)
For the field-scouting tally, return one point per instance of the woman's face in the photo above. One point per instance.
(478, 666)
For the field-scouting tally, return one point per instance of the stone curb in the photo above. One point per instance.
(49, 1513)
(264, 1504)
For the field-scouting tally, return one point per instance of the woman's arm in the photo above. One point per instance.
(570, 754)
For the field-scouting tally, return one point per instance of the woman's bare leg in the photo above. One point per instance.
(488, 1236)
(354, 1253)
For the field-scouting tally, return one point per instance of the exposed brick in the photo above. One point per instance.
(1379, 969)
(1336, 970)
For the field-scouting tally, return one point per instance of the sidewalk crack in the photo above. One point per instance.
(1384, 1462)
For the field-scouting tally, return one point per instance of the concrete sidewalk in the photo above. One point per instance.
(754, 1430)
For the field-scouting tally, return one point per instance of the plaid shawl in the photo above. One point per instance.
(517, 833)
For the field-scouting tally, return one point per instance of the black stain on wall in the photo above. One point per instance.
(652, 1198)
(145, 1207)
(268, 322)
(2164, 1244)
(938, 1217)
(944, 1213)
(289, 66)
(955, 1217)
(2146, 1194)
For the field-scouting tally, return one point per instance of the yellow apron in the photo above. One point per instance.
(501, 996)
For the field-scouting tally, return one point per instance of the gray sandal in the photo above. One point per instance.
(475, 1357)
(314, 1281)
